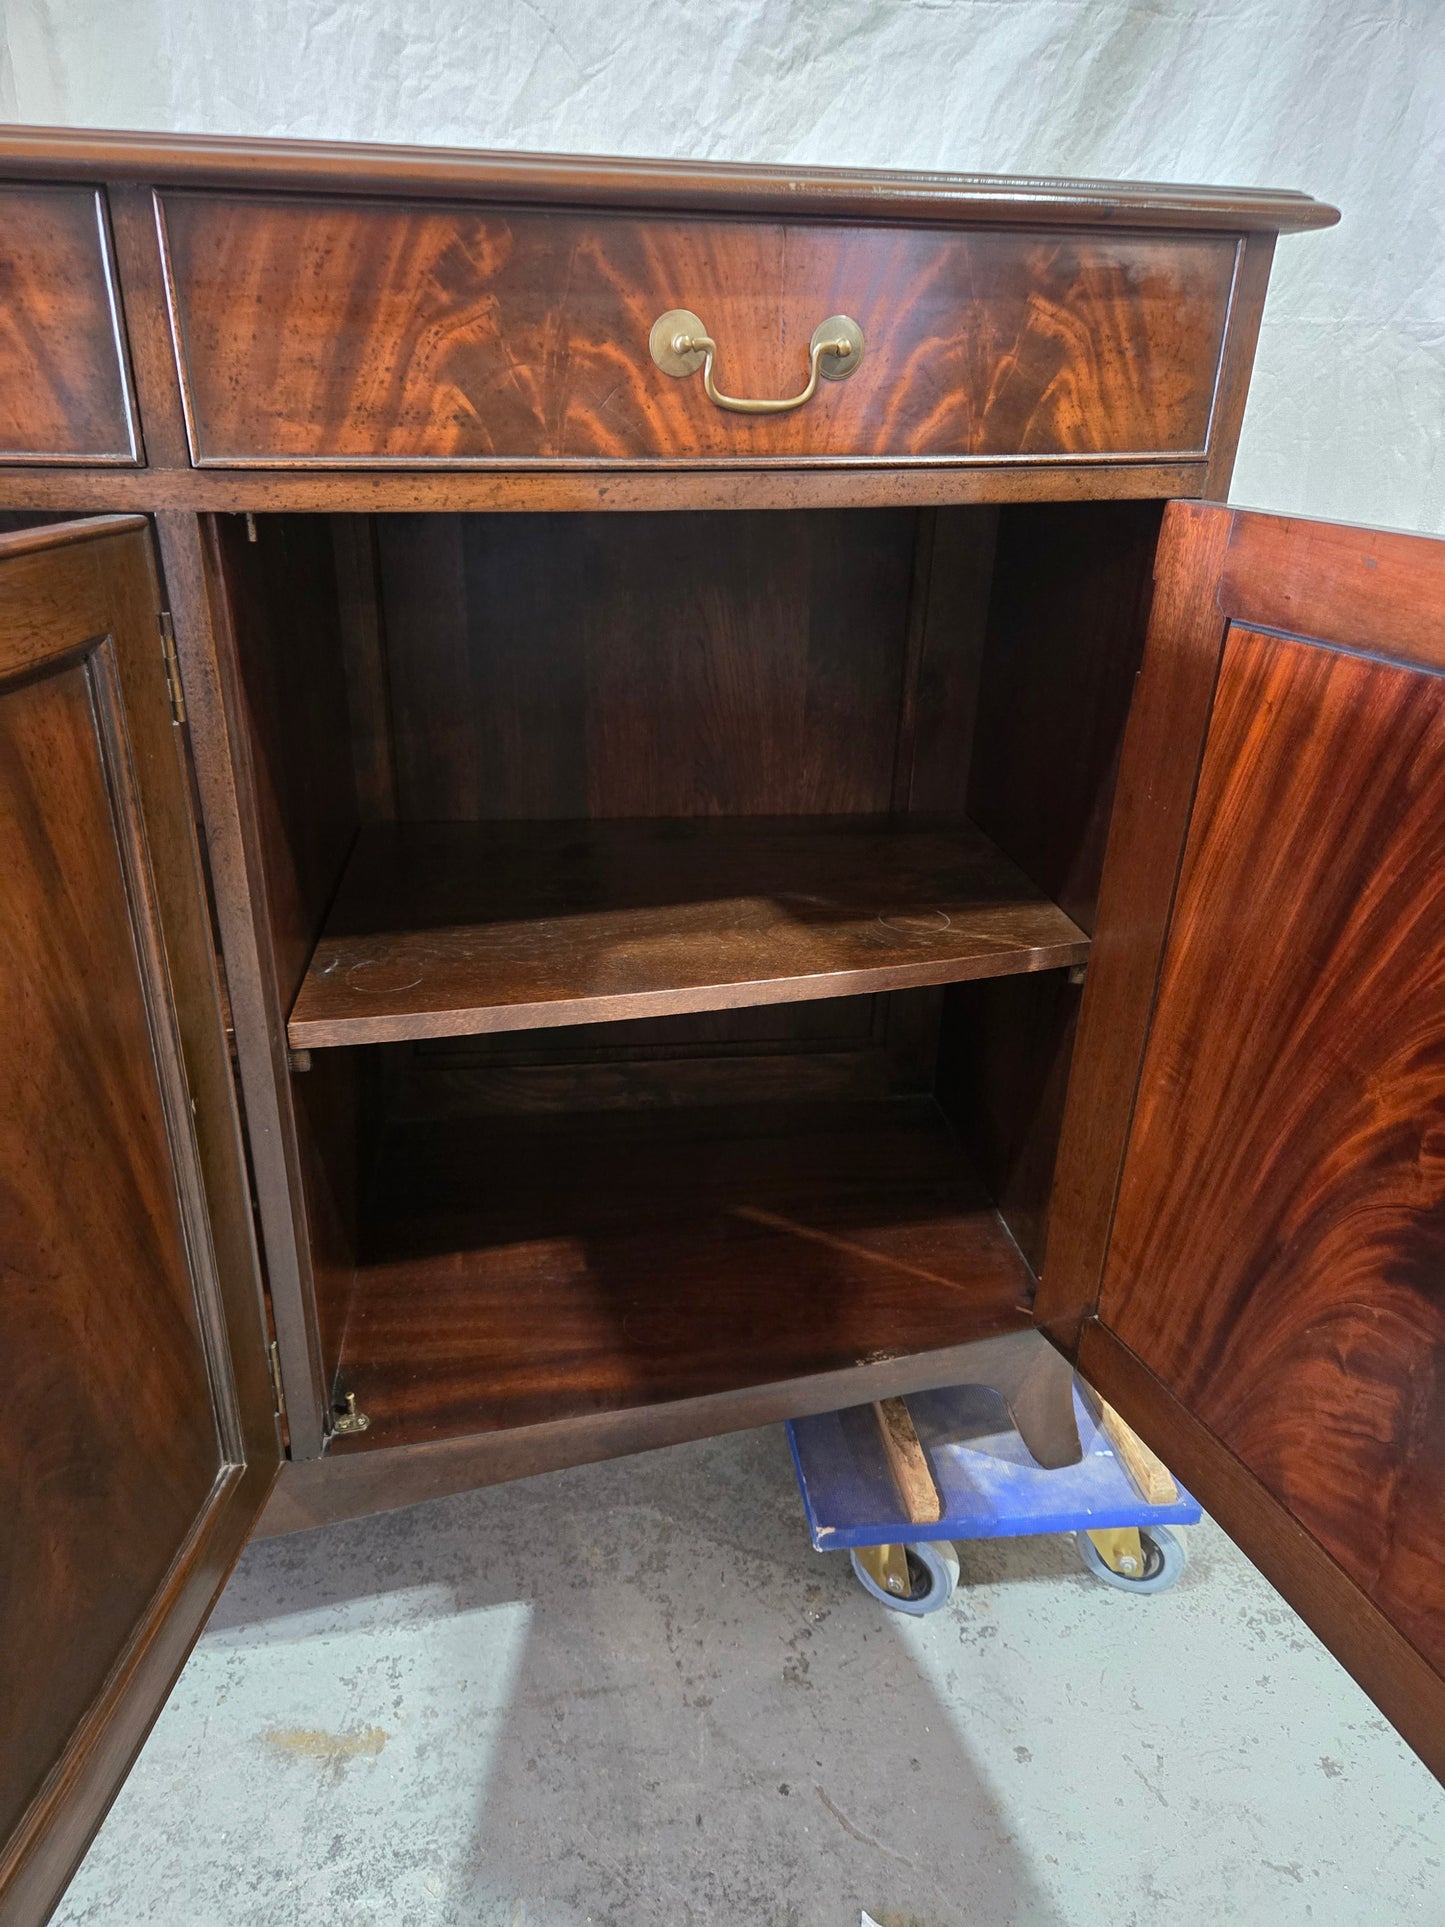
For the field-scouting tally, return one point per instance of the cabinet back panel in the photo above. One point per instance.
(645, 665)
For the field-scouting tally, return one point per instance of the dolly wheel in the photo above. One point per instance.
(932, 1574)
(1165, 1557)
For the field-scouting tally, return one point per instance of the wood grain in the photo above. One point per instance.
(1408, 1691)
(64, 386)
(1374, 590)
(226, 781)
(1279, 1244)
(647, 665)
(347, 332)
(348, 1483)
(526, 1270)
(1153, 797)
(444, 929)
(121, 1412)
(600, 181)
(1066, 622)
(907, 1461)
(526, 491)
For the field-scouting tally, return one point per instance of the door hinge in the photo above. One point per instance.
(173, 667)
(278, 1396)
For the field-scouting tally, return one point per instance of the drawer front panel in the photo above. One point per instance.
(331, 332)
(64, 385)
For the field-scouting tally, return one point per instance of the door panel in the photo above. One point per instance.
(130, 1467)
(1276, 1262)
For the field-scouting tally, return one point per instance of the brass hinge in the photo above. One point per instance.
(173, 667)
(278, 1396)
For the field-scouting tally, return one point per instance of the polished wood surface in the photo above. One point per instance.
(1407, 1690)
(1373, 590)
(572, 180)
(124, 1431)
(1153, 796)
(444, 929)
(349, 1484)
(1279, 1242)
(1066, 620)
(335, 331)
(64, 386)
(528, 491)
(523, 1271)
(235, 817)
(650, 665)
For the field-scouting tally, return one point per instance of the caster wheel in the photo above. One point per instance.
(1165, 1557)
(932, 1576)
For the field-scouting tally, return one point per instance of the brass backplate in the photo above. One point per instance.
(665, 330)
(838, 327)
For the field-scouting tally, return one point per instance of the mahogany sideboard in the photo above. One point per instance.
(641, 798)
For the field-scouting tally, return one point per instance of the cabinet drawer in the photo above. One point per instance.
(331, 332)
(64, 385)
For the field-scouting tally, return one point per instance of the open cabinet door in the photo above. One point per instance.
(1260, 1283)
(137, 1433)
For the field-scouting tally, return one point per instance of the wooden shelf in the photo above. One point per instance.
(522, 1271)
(446, 929)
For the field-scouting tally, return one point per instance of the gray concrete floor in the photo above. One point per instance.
(632, 1695)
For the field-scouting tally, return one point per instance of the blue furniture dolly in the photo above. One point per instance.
(895, 1485)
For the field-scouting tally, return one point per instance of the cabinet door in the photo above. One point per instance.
(1252, 1188)
(137, 1436)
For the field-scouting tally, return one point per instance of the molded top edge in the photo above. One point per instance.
(65, 153)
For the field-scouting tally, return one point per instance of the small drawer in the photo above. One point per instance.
(330, 332)
(65, 391)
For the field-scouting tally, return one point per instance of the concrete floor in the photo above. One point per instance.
(632, 1695)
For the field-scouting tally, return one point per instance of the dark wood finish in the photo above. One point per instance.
(134, 1459)
(1071, 589)
(569, 490)
(581, 180)
(64, 385)
(448, 928)
(948, 617)
(525, 1270)
(363, 641)
(1246, 311)
(770, 648)
(141, 274)
(1152, 801)
(349, 1484)
(1279, 1243)
(835, 1048)
(1409, 1692)
(352, 332)
(1002, 1076)
(226, 779)
(1371, 590)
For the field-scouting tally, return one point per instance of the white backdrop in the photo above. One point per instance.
(1345, 98)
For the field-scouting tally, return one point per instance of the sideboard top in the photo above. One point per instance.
(63, 153)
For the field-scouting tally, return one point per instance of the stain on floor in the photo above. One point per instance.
(631, 1695)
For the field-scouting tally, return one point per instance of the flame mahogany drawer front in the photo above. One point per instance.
(332, 332)
(64, 384)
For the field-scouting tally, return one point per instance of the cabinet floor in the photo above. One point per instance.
(520, 1271)
(630, 1694)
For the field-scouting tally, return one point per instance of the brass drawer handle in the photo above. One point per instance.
(680, 343)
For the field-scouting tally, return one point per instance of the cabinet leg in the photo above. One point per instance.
(1037, 1384)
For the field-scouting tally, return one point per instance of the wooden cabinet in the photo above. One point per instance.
(721, 914)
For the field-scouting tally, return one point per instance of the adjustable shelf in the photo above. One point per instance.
(448, 929)
(533, 1271)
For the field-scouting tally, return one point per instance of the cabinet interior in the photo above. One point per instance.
(681, 920)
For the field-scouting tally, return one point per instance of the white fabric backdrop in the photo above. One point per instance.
(1345, 98)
